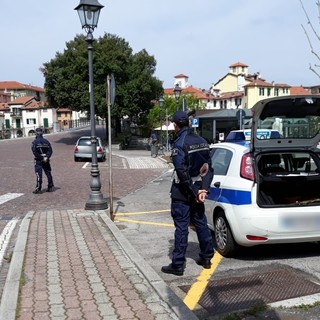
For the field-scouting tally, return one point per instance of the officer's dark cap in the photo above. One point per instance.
(181, 118)
(39, 130)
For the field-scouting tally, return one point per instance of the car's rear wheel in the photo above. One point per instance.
(226, 245)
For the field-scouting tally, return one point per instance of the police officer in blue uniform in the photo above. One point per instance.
(42, 151)
(192, 178)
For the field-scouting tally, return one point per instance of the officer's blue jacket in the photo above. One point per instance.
(192, 163)
(41, 148)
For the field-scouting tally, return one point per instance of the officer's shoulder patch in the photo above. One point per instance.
(174, 152)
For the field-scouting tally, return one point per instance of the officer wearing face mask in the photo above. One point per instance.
(191, 183)
(42, 151)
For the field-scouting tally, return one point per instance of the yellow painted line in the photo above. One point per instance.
(195, 292)
(145, 222)
(140, 212)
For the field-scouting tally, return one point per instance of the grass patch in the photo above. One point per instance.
(23, 281)
(307, 306)
(8, 257)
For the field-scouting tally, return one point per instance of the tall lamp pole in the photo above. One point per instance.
(89, 11)
(177, 92)
(161, 101)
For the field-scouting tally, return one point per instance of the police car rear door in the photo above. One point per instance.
(295, 118)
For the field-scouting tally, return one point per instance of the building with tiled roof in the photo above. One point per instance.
(238, 89)
(16, 89)
(3, 108)
(315, 89)
(204, 97)
(4, 97)
(68, 118)
(24, 107)
(252, 86)
(24, 114)
(257, 90)
(299, 90)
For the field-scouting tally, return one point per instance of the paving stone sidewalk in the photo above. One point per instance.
(76, 264)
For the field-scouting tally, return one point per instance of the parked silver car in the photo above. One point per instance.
(83, 149)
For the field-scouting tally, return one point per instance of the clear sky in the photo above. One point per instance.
(197, 38)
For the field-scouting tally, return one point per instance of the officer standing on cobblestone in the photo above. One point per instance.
(42, 151)
(192, 178)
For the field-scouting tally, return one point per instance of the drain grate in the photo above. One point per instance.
(239, 293)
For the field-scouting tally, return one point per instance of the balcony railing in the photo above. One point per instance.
(16, 114)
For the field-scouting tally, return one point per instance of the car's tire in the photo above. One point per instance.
(76, 159)
(225, 243)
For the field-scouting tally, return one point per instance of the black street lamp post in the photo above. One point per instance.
(177, 92)
(161, 101)
(89, 11)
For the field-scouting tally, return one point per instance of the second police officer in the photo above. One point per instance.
(42, 151)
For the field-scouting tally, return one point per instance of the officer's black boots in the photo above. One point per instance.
(172, 269)
(50, 189)
(37, 191)
(206, 263)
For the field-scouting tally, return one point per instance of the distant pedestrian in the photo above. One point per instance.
(153, 138)
(42, 151)
(153, 141)
(192, 179)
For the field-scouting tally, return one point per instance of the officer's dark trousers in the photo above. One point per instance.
(182, 214)
(45, 166)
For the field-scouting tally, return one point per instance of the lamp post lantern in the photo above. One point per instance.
(161, 101)
(177, 92)
(89, 11)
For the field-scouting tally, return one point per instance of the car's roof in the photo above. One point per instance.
(87, 137)
(241, 145)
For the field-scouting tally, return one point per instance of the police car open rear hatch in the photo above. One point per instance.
(290, 122)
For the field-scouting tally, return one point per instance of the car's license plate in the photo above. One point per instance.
(303, 222)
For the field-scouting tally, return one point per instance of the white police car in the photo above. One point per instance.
(267, 191)
(236, 135)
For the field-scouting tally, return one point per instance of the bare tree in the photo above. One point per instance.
(315, 33)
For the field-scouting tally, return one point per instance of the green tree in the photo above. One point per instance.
(66, 77)
(170, 107)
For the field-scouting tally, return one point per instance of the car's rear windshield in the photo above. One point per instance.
(84, 142)
(292, 118)
(87, 142)
(296, 128)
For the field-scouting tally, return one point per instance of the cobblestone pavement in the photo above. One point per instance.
(77, 265)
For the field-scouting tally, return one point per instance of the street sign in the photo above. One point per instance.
(111, 89)
(110, 95)
(240, 116)
(195, 122)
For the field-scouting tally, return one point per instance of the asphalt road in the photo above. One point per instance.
(71, 179)
(141, 206)
(145, 220)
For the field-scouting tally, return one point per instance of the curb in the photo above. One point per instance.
(162, 289)
(10, 295)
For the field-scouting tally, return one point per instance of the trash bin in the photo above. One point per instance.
(154, 150)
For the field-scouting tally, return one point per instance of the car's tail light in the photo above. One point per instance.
(256, 238)
(100, 150)
(76, 149)
(247, 171)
